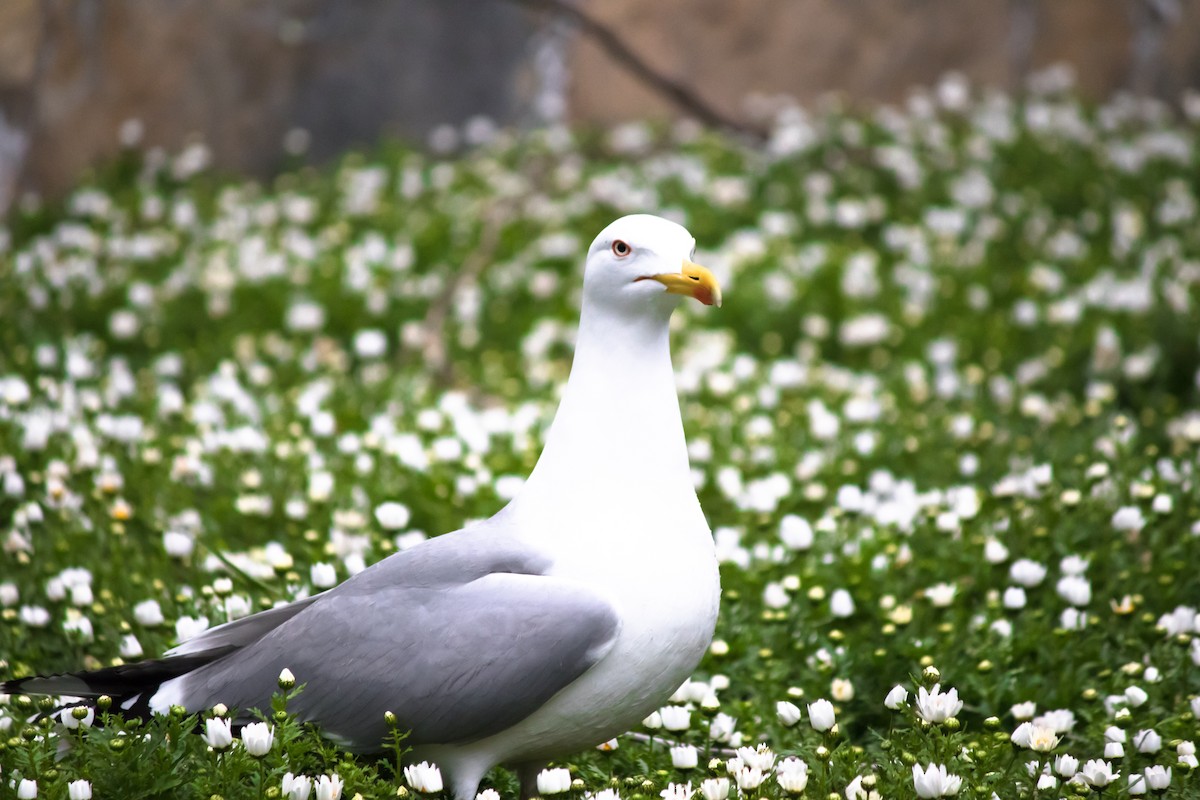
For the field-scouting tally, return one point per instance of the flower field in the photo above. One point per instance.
(946, 430)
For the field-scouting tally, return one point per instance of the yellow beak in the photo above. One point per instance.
(693, 280)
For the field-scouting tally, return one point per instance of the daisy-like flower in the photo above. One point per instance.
(257, 738)
(217, 733)
(1066, 765)
(748, 778)
(296, 787)
(1097, 773)
(79, 790)
(935, 781)
(684, 756)
(937, 706)
(427, 778)
(675, 718)
(788, 713)
(1039, 738)
(1158, 777)
(792, 775)
(715, 789)
(820, 715)
(676, 791)
(554, 781)
(329, 787)
(896, 698)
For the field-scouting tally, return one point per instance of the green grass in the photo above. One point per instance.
(954, 339)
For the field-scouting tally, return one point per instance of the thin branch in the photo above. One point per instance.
(680, 94)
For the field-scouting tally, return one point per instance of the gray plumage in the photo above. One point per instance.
(460, 637)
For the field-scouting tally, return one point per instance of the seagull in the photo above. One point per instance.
(553, 626)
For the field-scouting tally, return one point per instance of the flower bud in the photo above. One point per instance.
(286, 679)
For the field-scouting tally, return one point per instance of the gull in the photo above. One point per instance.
(560, 622)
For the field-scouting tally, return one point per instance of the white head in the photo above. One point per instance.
(641, 264)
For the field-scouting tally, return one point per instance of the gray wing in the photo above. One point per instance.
(460, 638)
(241, 632)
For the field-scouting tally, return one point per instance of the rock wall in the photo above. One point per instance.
(878, 50)
(241, 73)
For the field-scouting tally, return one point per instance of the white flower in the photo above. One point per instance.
(1066, 765)
(761, 757)
(675, 718)
(81, 790)
(676, 791)
(392, 516)
(748, 778)
(1040, 738)
(1137, 784)
(603, 794)
(653, 722)
(427, 778)
(187, 627)
(554, 781)
(1024, 710)
(941, 594)
(305, 316)
(792, 775)
(1186, 753)
(1114, 750)
(715, 789)
(795, 532)
(896, 698)
(131, 648)
(935, 781)
(684, 756)
(842, 690)
(1014, 598)
(490, 794)
(257, 737)
(27, 789)
(722, 728)
(148, 613)
(1098, 773)
(322, 575)
(329, 787)
(788, 713)
(1158, 777)
(9, 594)
(1075, 589)
(994, 552)
(217, 733)
(296, 787)
(775, 596)
(1136, 696)
(1147, 741)
(936, 706)
(178, 544)
(370, 343)
(841, 604)
(1128, 518)
(820, 715)
(1027, 572)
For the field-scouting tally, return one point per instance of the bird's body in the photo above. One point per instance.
(553, 626)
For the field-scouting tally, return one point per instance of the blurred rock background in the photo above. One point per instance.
(244, 75)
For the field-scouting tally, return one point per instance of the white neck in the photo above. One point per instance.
(617, 440)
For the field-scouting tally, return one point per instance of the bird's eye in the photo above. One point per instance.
(621, 249)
